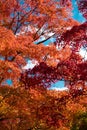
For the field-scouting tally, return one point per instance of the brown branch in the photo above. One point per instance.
(45, 40)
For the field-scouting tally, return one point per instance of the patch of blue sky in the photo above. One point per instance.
(2, 58)
(8, 81)
(21, 2)
(60, 86)
(76, 13)
(47, 42)
(51, 40)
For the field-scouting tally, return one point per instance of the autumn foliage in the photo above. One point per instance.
(29, 103)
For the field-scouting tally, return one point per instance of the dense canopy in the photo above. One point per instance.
(45, 32)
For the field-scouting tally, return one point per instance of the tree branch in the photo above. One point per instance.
(45, 40)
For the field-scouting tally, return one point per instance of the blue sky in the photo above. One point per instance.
(76, 13)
